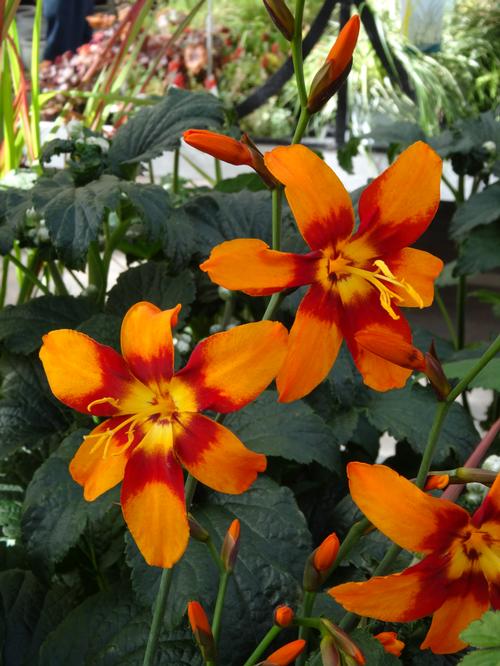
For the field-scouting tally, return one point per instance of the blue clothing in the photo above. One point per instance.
(67, 28)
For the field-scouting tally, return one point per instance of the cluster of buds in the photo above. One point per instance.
(319, 563)
(232, 151)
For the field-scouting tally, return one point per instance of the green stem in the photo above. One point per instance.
(263, 645)
(228, 312)
(273, 304)
(277, 195)
(56, 276)
(461, 295)
(5, 280)
(448, 184)
(218, 171)
(162, 596)
(306, 611)
(219, 604)
(29, 275)
(298, 63)
(446, 316)
(199, 170)
(301, 125)
(215, 555)
(441, 411)
(151, 172)
(175, 172)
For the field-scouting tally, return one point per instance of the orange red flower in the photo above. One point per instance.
(358, 279)
(286, 654)
(154, 426)
(459, 576)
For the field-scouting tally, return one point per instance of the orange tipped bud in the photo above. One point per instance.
(325, 554)
(285, 655)
(330, 655)
(435, 374)
(392, 347)
(336, 68)
(344, 643)
(231, 151)
(198, 532)
(437, 482)
(283, 616)
(220, 146)
(281, 16)
(319, 562)
(390, 642)
(201, 630)
(229, 551)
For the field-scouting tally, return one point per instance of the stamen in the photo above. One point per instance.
(400, 283)
(102, 401)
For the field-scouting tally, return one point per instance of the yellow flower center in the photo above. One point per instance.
(381, 278)
(477, 550)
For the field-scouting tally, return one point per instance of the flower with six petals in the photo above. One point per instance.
(358, 279)
(154, 426)
(459, 576)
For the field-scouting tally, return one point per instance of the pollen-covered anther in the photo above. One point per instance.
(113, 402)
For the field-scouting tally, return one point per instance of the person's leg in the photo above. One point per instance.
(67, 28)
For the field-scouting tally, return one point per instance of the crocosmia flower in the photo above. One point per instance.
(459, 576)
(154, 426)
(358, 279)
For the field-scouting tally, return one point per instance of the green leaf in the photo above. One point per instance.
(158, 128)
(14, 203)
(22, 326)
(482, 658)
(479, 252)
(373, 651)
(481, 208)
(274, 545)
(152, 282)
(292, 431)
(105, 328)
(109, 629)
(162, 221)
(55, 514)
(408, 414)
(73, 215)
(243, 181)
(29, 414)
(488, 378)
(485, 632)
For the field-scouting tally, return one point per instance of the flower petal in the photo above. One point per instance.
(314, 342)
(228, 370)
(320, 203)
(80, 372)
(214, 456)
(363, 312)
(468, 601)
(401, 597)
(99, 463)
(153, 499)
(398, 206)
(489, 511)
(414, 520)
(419, 269)
(265, 271)
(147, 346)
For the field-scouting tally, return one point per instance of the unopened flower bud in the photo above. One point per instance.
(285, 655)
(330, 655)
(343, 641)
(435, 374)
(437, 482)
(392, 347)
(283, 616)
(319, 562)
(230, 547)
(336, 67)
(198, 532)
(281, 16)
(201, 630)
(390, 642)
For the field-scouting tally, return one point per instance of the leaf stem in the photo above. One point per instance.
(298, 62)
(446, 316)
(461, 296)
(165, 583)
(263, 645)
(56, 276)
(218, 171)
(29, 275)
(5, 280)
(175, 171)
(301, 125)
